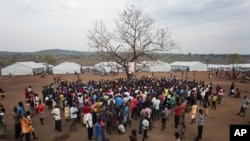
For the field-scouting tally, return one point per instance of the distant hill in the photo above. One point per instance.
(49, 51)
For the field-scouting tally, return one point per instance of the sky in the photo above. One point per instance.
(198, 26)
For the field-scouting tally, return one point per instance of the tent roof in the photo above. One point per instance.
(31, 64)
(68, 64)
(179, 63)
(243, 65)
(107, 64)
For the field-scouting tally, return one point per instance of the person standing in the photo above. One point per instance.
(163, 118)
(73, 116)
(156, 106)
(220, 94)
(20, 109)
(98, 130)
(193, 112)
(89, 125)
(145, 125)
(177, 113)
(26, 127)
(214, 100)
(40, 109)
(200, 122)
(134, 103)
(17, 120)
(243, 107)
(57, 116)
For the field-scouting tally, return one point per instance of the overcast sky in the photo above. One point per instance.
(199, 26)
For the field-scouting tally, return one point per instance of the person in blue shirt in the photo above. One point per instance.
(125, 115)
(20, 109)
(98, 130)
(118, 102)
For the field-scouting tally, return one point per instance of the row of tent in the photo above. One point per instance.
(32, 68)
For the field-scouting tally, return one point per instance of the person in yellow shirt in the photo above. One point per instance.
(26, 128)
(193, 112)
(214, 100)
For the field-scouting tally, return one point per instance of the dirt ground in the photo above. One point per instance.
(216, 126)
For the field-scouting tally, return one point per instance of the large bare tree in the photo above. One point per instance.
(133, 37)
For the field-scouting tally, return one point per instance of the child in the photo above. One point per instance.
(177, 136)
(133, 137)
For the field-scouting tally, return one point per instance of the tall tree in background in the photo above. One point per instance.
(133, 37)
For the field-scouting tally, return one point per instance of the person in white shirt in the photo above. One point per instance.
(89, 125)
(243, 107)
(57, 116)
(156, 106)
(145, 125)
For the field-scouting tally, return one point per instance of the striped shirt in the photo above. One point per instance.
(201, 119)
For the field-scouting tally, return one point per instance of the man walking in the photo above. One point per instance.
(57, 116)
(200, 122)
(243, 107)
(89, 125)
(40, 108)
(145, 125)
(73, 116)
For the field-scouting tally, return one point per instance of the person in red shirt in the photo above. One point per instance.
(26, 94)
(237, 93)
(177, 113)
(134, 103)
(40, 109)
(86, 109)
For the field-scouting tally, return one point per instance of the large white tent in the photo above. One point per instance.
(154, 66)
(23, 68)
(108, 67)
(242, 66)
(188, 66)
(66, 68)
(220, 67)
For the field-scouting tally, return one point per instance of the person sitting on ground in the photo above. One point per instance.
(237, 95)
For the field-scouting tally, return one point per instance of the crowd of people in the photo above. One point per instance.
(108, 106)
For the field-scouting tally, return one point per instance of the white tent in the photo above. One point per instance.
(23, 68)
(67, 68)
(108, 67)
(242, 67)
(154, 66)
(219, 67)
(188, 66)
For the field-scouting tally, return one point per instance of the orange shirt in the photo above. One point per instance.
(25, 123)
